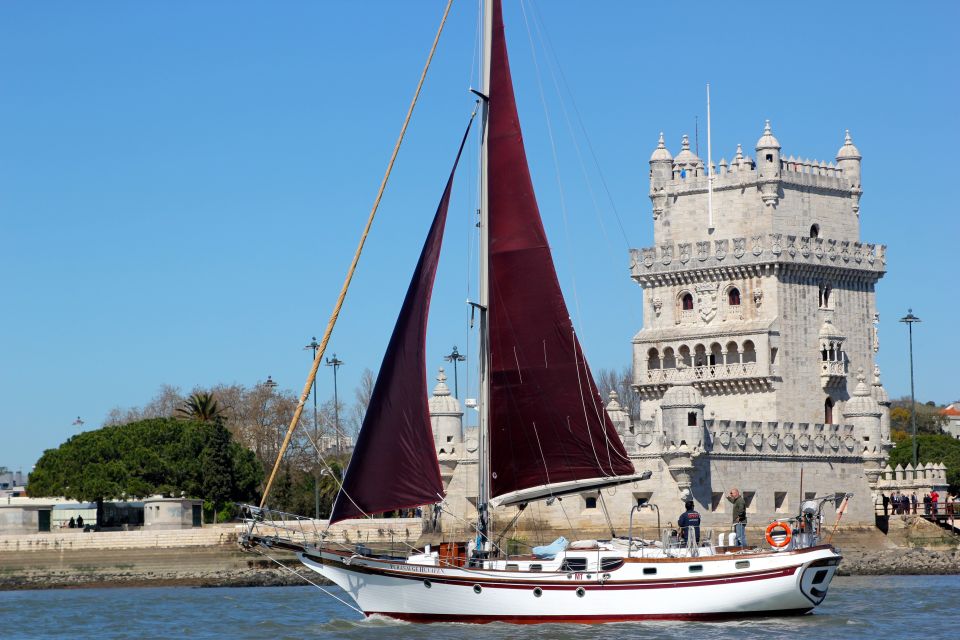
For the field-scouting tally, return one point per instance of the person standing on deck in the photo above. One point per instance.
(689, 518)
(739, 516)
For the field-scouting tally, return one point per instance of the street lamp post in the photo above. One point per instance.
(909, 319)
(455, 357)
(316, 439)
(336, 364)
(270, 384)
(79, 423)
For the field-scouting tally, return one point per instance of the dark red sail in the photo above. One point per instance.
(547, 421)
(394, 465)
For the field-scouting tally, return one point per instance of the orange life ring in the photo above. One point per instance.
(773, 526)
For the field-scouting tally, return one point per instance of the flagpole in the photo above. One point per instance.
(709, 169)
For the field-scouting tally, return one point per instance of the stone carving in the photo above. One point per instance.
(703, 251)
(666, 253)
(741, 439)
(845, 250)
(758, 297)
(757, 242)
(805, 247)
(657, 305)
(777, 247)
(725, 438)
(789, 440)
(707, 300)
(876, 333)
(818, 248)
(804, 441)
(648, 257)
(773, 440)
(832, 249)
(818, 441)
(871, 253)
(684, 252)
(834, 442)
(757, 440)
(792, 245)
(720, 249)
(739, 247)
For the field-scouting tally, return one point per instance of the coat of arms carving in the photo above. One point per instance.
(707, 301)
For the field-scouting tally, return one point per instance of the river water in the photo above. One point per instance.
(856, 607)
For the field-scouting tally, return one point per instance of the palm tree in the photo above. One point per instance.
(202, 407)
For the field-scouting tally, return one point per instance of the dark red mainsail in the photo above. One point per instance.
(547, 421)
(394, 465)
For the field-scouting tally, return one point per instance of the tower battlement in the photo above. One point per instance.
(770, 194)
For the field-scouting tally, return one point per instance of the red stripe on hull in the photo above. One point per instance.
(595, 619)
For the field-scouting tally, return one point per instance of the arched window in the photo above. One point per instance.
(733, 297)
(686, 302)
(653, 359)
(815, 231)
(716, 354)
(669, 359)
(699, 356)
(733, 353)
(828, 411)
(749, 351)
(691, 418)
(685, 358)
(824, 296)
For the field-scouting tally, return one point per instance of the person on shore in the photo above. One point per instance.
(934, 499)
(926, 504)
(913, 502)
(689, 518)
(73, 523)
(886, 504)
(739, 516)
(79, 522)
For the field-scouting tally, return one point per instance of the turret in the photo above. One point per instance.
(661, 172)
(880, 395)
(682, 417)
(686, 165)
(848, 161)
(446, 418)
(768, 167)
(863, 412)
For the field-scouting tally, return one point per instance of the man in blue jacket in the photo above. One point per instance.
(689, 518)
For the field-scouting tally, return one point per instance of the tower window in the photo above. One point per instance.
(769, 157)
(733, 297)
(687, 302)
(815, 231)
(590, 503)
(828, 411)
(691, 418)
(824, 296)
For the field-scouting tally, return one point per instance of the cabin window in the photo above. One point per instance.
(536, 567)
(513, 567)
(537, 592)
(692, 419)
(649, 571)
(696, 568)
(733, 297)
(609, 564)
(477, 588)
(743, 564)
(687, 302)
(574, 564)
(590, 503)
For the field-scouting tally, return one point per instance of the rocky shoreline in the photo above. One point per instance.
(262, 572)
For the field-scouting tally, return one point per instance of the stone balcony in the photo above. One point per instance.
(707, 378)
(833, 373)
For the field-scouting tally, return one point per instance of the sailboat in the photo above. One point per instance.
(544, 434)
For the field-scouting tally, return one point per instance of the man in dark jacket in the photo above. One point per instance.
(689, 518)
(739, 516)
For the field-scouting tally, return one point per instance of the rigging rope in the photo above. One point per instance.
(318, 358)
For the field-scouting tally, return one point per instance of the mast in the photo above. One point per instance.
(483, 493)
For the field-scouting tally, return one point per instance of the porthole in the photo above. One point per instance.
(537, 592)
(581, 592)
(427, 584)
(477, 588)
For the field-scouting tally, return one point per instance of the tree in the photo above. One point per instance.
(202, 406)
(930, 448)
(620, 381)
(929, 420)
(159, 455)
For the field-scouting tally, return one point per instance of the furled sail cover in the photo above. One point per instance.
(547, 421)
(394, 465)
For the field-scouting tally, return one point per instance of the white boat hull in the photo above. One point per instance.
(773, 584)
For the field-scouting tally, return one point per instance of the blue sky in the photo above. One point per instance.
(182, 185)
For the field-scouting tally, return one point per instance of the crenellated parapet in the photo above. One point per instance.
(754, 439)
(922, 478)
(682, 262)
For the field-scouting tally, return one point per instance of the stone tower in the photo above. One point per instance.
(771, 311)
(446, 418)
